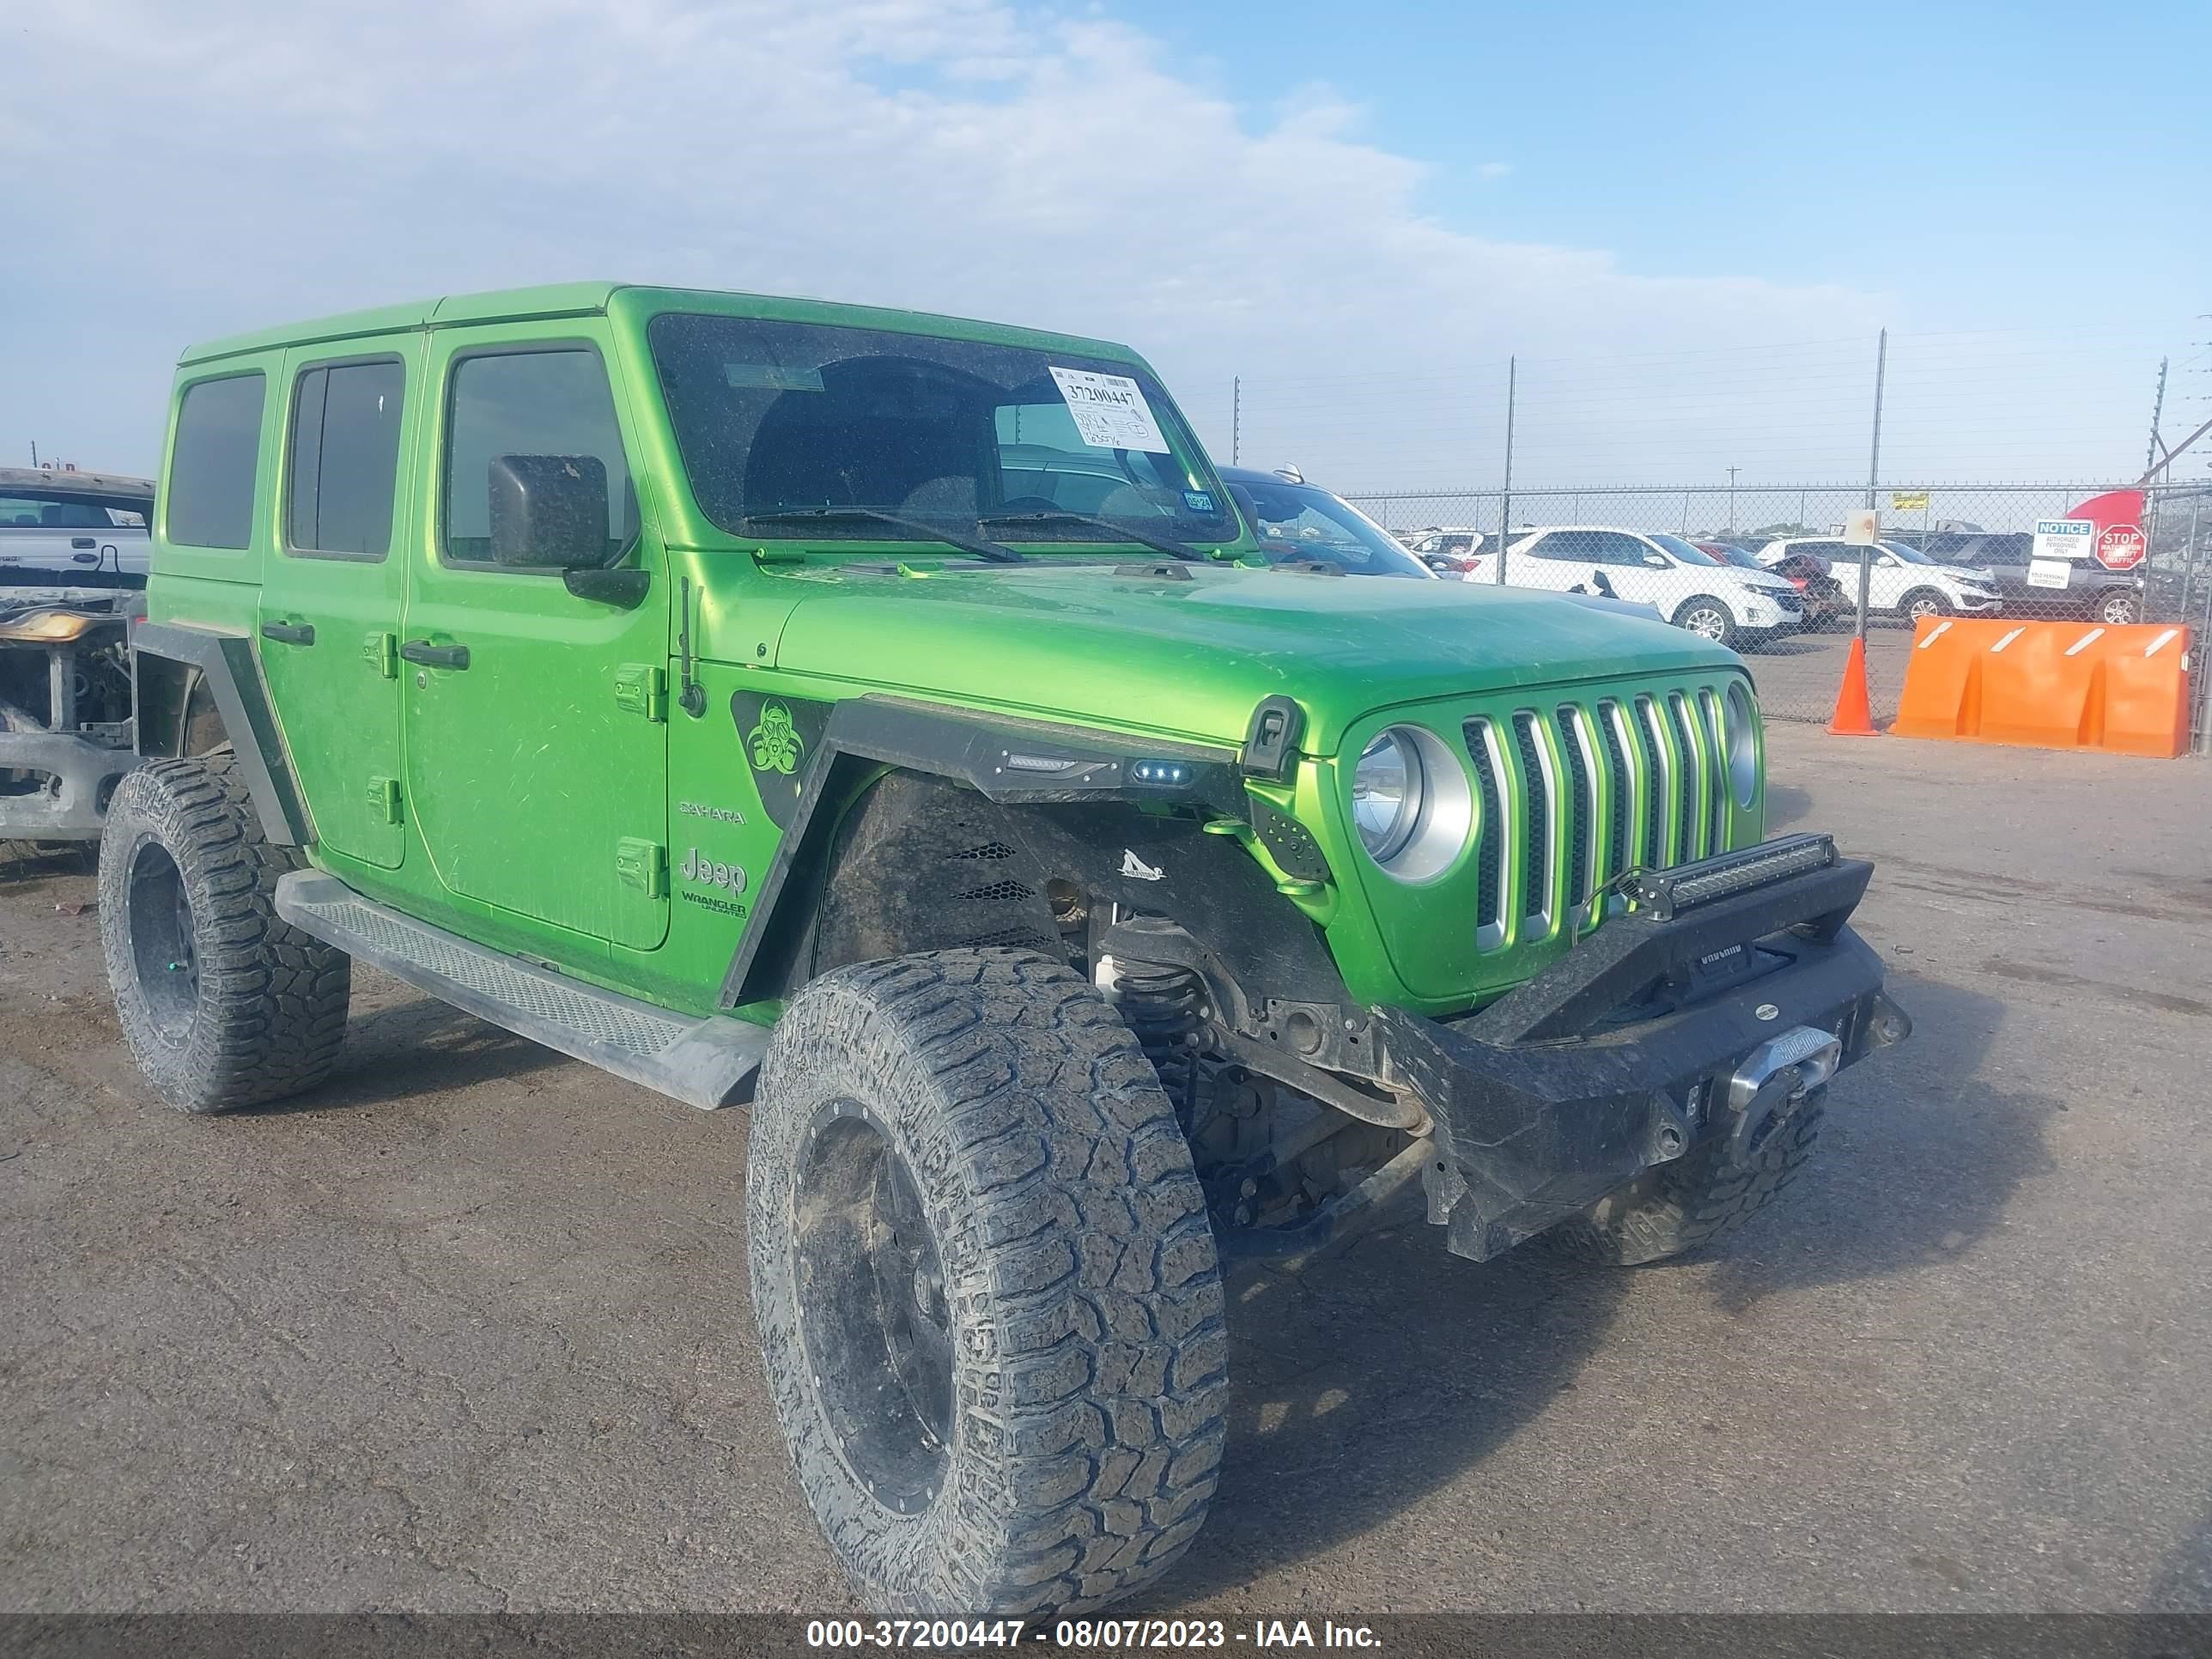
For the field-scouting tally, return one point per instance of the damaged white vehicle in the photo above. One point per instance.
(73, 552)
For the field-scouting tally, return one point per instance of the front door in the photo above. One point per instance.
(329, 599)
(537, 753)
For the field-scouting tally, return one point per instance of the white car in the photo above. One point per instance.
(1688, 586)
(1901, 581)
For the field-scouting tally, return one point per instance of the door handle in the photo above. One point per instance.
(82, 541)
(290, 632)
(435, 656)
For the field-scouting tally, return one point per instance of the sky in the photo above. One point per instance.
(1328, 226)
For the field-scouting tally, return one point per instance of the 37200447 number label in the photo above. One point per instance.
(914, 1632)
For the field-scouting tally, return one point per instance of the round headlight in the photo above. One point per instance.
(1412, 802)
(1742, 746)
(1386, 795)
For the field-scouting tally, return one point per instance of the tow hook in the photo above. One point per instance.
(1779, 1072)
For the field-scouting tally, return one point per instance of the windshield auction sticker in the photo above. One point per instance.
(1110, 412)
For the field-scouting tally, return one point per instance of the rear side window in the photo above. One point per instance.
(530, 407)
(213, 462)
(344, 459)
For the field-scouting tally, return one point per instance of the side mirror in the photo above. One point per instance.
(1657, 561)
(549, 512)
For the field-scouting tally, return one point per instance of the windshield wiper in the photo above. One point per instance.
(1114, 531)
(978, 546)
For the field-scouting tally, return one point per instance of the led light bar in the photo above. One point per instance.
(1668, 893)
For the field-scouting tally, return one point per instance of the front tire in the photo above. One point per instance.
(1703, 1195)
(222, 1003)
(1707, 618)
(1924, 602)
(2119, 608)
(989, 1305)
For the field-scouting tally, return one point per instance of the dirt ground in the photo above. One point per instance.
(467, 1328)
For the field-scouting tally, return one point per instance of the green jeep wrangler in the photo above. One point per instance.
(888, 721)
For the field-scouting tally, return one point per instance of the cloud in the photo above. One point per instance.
(269, 162)
(1493, 169)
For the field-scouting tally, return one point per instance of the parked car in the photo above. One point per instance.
(2089, 592)
(1296, 521)
(1902, 581)
(672, 677)
(1448, 550)
(73, 553)
(1688, 586)
(1817, 591)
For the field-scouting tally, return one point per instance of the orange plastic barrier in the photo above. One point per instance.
(2049, 685)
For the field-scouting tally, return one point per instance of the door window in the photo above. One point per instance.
(213, 462)
(344, 459)
(1611, 547)
(523, 428)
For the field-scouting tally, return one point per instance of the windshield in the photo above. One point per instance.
(1300, 521)
(1737, 556)
(1685, 551)
(1910, 555)
(773, 417)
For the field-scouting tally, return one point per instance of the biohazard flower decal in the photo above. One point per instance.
(776, 743)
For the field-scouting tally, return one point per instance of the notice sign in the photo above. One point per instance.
(1110, 412)
(2063, 538)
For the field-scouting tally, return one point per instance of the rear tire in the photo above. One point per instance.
(223, 1003)
(1701, 1196)
(987, 1291)
(1707, 618)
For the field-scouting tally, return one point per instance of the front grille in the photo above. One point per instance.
(1570, 796)
(1787, 602)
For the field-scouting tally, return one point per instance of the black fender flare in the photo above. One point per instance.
(1075, 800)
(166, 660)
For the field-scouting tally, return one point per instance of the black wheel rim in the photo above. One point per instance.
(874, 1321)
(162, 949)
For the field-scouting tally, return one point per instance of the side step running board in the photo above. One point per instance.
(701, 1062)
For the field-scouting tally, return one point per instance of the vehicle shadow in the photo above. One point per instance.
(415, 1048)
(1367, 1383)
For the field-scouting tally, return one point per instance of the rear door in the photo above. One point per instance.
(1558, 560)
(330, 598)
(535, 720)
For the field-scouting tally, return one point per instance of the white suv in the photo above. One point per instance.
(1901, 581)
(1690, 588)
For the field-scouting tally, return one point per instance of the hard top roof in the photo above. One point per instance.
(591, 299)
(74, 484)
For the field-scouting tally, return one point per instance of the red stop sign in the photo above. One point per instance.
(2121, 547)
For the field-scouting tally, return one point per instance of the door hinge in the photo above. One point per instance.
(382, 652)
(384, 800)
(641, 687)
(642, 864)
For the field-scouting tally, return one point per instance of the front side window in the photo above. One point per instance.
(535, 474)
(785, 426)
(213, 463)
(345, 458)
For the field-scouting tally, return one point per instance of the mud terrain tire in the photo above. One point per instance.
(1701, 1196)
(223, 1004)
(1052, 1443)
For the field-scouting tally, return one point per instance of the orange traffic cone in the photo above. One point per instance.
(1854, 717)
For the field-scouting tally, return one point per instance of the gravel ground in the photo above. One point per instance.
(467, 1330)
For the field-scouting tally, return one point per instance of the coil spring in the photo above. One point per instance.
(1164, 1006)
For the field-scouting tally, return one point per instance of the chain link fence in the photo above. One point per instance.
(1764, 567)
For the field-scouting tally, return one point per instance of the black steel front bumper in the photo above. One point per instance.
(1621, 1056)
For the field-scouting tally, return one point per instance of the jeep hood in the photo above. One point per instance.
(1189, 659)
